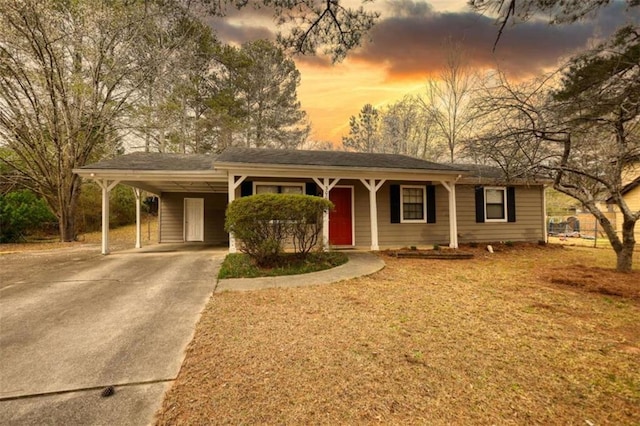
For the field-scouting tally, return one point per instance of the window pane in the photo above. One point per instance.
(412, 203)
(266, 189)
(412, 195)
(495, 196)
(495, 211)
(412, 211)
(291, 189)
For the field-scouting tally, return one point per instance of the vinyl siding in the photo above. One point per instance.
(172, 217)
(395, 235)
(527, 227)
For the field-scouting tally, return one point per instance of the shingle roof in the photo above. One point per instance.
(481, 171)
(329, 159)
(156, 161)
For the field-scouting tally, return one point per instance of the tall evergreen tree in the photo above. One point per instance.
(263, 82)
(364, 131)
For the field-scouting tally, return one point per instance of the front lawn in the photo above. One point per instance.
(527, 335)
(240, 265)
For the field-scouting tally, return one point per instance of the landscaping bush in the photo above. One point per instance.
(263, 223)
(22, 212)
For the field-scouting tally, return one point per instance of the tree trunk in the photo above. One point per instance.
(67, 208)
(67, 227)
(624, 252)
(623, 248)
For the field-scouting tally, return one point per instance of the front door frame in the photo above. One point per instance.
(184, 222)
(353, 215)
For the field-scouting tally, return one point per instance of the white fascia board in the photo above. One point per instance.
(341, 172)
(156, 175)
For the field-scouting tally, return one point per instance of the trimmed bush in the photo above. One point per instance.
(263, 223)
(22, 212)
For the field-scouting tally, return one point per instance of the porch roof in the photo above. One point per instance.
(328, 159)
(164, 172)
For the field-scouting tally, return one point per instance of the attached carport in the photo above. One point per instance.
(156, 174)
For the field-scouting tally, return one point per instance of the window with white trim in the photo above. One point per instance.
(495, 204)
(413, 204)
(278, 188)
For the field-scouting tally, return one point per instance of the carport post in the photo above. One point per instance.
(106, 189)
(137, 193)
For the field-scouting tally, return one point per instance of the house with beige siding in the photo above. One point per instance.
(381, 200)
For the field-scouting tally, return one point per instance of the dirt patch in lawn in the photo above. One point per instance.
(489, 340)
(597, 280)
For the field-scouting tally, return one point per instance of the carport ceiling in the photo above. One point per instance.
(159, 186)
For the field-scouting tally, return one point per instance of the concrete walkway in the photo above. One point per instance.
(359, 264)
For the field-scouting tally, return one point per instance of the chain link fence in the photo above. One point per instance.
(583, 226)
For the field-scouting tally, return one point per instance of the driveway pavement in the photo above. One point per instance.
(73, 322)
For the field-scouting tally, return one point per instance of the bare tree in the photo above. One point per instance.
(67, 73)
(447, 99)
(582, 132)
(406, 128)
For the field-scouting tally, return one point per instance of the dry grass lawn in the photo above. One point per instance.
(525, 335)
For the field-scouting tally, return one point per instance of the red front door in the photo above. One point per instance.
(340, 225)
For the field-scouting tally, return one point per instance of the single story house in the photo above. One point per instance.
(381, 200)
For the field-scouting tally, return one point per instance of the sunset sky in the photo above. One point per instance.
(407, 46)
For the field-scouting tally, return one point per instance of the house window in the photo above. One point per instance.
(278, 188)
(413, 204)
(495, 202)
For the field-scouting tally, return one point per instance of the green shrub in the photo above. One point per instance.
(262, 224)
(22, 212)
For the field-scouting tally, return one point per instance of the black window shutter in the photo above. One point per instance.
(511, 204)
(246, 188)
(310, 188)
(479, 204)
(431, 204)
(394, 202)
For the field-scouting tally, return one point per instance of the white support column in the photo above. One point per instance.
(453, 215)
(233, 184)
(138, 194)
(327, 185)
(106, 190)
(373, 188)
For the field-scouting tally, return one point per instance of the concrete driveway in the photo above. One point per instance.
(73, 322)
